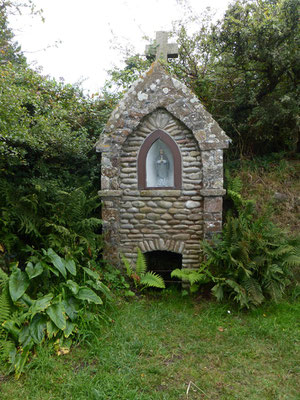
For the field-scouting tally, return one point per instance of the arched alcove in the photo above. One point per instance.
(159, 151)
(163, 263)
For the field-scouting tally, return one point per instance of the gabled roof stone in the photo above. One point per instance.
(158, 89)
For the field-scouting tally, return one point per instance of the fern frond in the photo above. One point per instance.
(141, 265)
(151, 279)
(274, 289)
(90, 223)
(292, 261)
(127, 265)
(254, 290)
(3, 279)
(6, 311)
(5, 306)
(28, 223)
(190, 275)
(218, 291)
(58, 228)
(282, 250)
(5, 301)
(240, 293)
(6, 347)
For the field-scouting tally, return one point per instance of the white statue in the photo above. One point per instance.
(162, 166)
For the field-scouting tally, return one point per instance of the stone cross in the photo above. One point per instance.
(162, 50)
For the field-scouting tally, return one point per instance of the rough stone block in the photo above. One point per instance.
(165, 204)
(213, 204)
(212, 216)
(192, 204)
(181, 236)
(166, 216)
(212, 226)
(153, 217)
(194, 217)
(146, 210)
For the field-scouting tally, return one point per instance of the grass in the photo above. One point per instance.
(156, 345)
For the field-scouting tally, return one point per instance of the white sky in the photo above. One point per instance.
(90, 29)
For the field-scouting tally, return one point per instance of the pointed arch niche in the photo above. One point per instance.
(159, 163)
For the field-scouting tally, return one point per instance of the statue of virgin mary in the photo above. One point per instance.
(162, 167)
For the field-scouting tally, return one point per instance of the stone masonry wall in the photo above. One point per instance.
(162, 219)
(173, 220)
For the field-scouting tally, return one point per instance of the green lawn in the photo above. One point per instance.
(156, 345)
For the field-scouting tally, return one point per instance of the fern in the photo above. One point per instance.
(218, 291)
(254, 291)
(5, 306)
(274, 289)
(3, 279)
(253, 259)
(234, 184)
(141, 266)
(48, 217)
(6, 310)
(129, 270)
(151, 279)
(292, 260)
(189, 275)
(141, 277)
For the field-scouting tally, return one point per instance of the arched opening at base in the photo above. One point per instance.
(163, 263)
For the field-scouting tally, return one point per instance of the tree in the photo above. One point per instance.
(10, 51)
(49, 171)
(245, 69)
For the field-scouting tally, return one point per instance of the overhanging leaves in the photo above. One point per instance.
(18, 283)
(56, 312)
(89, 295)
(57, 261)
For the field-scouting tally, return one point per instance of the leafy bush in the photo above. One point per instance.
(39, 214)
(245, 70)
(44, 302)
(49, 174)
(252, 260)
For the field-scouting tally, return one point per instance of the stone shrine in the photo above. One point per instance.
(162, 170)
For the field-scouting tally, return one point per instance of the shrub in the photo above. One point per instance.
(44, 302)
(251, 261)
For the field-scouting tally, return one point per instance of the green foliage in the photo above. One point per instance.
(39, 214)
(48, 299)
(245, 70)
(253, 259)
(6, 310)
(114, 279)
(48, 180)
(122, 79)
(10, 52)
(49, 171)
(195, 278)
(140, 276)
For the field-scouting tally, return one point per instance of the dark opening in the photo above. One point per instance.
(163, 263)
